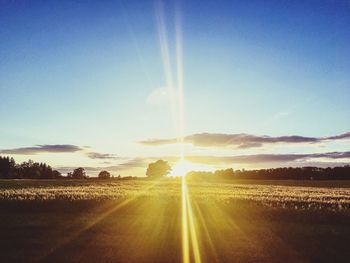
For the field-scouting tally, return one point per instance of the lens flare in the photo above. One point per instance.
(188, 228)
(182, 167)
(185, 241)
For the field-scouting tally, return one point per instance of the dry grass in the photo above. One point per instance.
(141, 221)
(272, 194)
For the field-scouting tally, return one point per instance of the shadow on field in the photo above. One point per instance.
(149, 230)
(140, 231)
(248, 233)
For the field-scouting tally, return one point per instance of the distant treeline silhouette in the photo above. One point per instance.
(26, 170)
(33, 170)
(9, 169)
(286, 173)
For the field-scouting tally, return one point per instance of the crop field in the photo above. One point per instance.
(332, 196)
(172, 220)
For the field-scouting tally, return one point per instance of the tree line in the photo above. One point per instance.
(26, 170)
(162, 168)
(9, 169)
(284, 173)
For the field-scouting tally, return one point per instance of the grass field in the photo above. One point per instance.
(169, 221)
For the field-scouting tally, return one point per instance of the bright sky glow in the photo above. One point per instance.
(182, 167)
(105, 76)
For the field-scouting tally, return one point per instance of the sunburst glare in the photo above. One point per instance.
(182, 167)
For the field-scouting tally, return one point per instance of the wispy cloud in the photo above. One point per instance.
(60, 148)
(137, 166)
(339, 137)
(103, 156)
(47, 148)
(268, 158)
(241, 140)
(241, 159)
(320, 159)
(134, 163)
(129, 165)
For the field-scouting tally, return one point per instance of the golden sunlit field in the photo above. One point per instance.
(173, 131)
(171, 220)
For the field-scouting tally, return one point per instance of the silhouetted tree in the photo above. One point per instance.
(104, 175)
(284, 173)
(56, 174)
(7, 168)
(159, 168)
(224, 174)
(79, 173)
(26, 170)
(32, 170)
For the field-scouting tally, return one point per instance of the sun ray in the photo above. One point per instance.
(177, 106)
(194, 239)
(179, 71)
(185, 240)
(164, 48)
(113, 208)
(182, 167)
(204, 226)
(188, 228)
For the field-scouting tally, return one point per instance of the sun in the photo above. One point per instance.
(182, 167)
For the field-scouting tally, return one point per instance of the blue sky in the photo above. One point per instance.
(82, 73)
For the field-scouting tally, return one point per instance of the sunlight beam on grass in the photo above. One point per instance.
(204, 226)
(101, 216)
(177, 106)
(185, 241)
(194, 239)
(188, 228)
